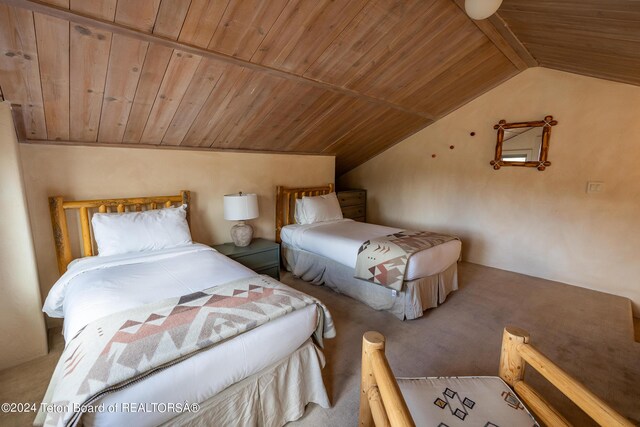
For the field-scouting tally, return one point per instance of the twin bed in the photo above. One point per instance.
(326, 252)
(250, 378)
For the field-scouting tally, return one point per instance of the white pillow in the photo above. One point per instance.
(320, 209)
(140, 231)
(298, 213)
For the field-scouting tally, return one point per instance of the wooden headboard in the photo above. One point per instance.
(59, 206)
(286, 203)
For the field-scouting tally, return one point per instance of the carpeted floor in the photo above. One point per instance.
(589, 334)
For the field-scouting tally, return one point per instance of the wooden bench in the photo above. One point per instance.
(382, 403)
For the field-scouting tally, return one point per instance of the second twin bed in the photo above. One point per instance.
(323, 248)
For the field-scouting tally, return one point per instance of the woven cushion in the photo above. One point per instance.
(464, 402)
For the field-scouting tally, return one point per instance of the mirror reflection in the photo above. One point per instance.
(522, 145)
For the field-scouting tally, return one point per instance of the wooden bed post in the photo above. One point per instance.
(186, 200)
(60, 233)
(512, 365)
(370, 341)
(87, 247)
(279, 222)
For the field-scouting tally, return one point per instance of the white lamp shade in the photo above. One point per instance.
(238, 207)
(481, 9)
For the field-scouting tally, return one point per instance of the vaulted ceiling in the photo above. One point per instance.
(349, 78)
(599, 38)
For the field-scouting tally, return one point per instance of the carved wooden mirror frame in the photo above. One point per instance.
(542, 163)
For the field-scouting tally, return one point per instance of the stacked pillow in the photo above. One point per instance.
(310, 210)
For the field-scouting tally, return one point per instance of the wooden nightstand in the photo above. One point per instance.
(262, 256)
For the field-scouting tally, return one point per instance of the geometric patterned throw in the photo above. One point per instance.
(383, 260)
(116, 350)
(464, 402)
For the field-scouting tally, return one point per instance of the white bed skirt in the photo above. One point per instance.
(416, 295)
(271, 398)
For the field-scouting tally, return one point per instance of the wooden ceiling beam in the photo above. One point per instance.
(165, 147)
(505, 32)
(503, 38)
(115, 28)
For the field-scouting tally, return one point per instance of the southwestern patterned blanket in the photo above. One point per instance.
(111, 353)
(383, 260)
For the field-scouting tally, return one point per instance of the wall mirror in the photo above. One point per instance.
(523, 144)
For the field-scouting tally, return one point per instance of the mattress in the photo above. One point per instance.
(340, 241)
(94, 287)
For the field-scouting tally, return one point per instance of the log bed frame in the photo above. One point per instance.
(286, 203)
(382, 404)
(58, 207)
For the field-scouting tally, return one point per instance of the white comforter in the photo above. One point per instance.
(340, 240)
(97, 286)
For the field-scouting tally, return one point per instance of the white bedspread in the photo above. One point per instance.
(97, 286)
(340, 240)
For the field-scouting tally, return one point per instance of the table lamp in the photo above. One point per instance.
(241, 207)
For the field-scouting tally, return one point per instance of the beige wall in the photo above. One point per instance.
(97, 172)
(22, 330)
(538, 223)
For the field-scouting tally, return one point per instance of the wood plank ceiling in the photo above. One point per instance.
(348, 78)
(599, 38)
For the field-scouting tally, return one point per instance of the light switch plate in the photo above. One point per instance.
(595, 187)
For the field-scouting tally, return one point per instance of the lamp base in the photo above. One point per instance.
(241, 234)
